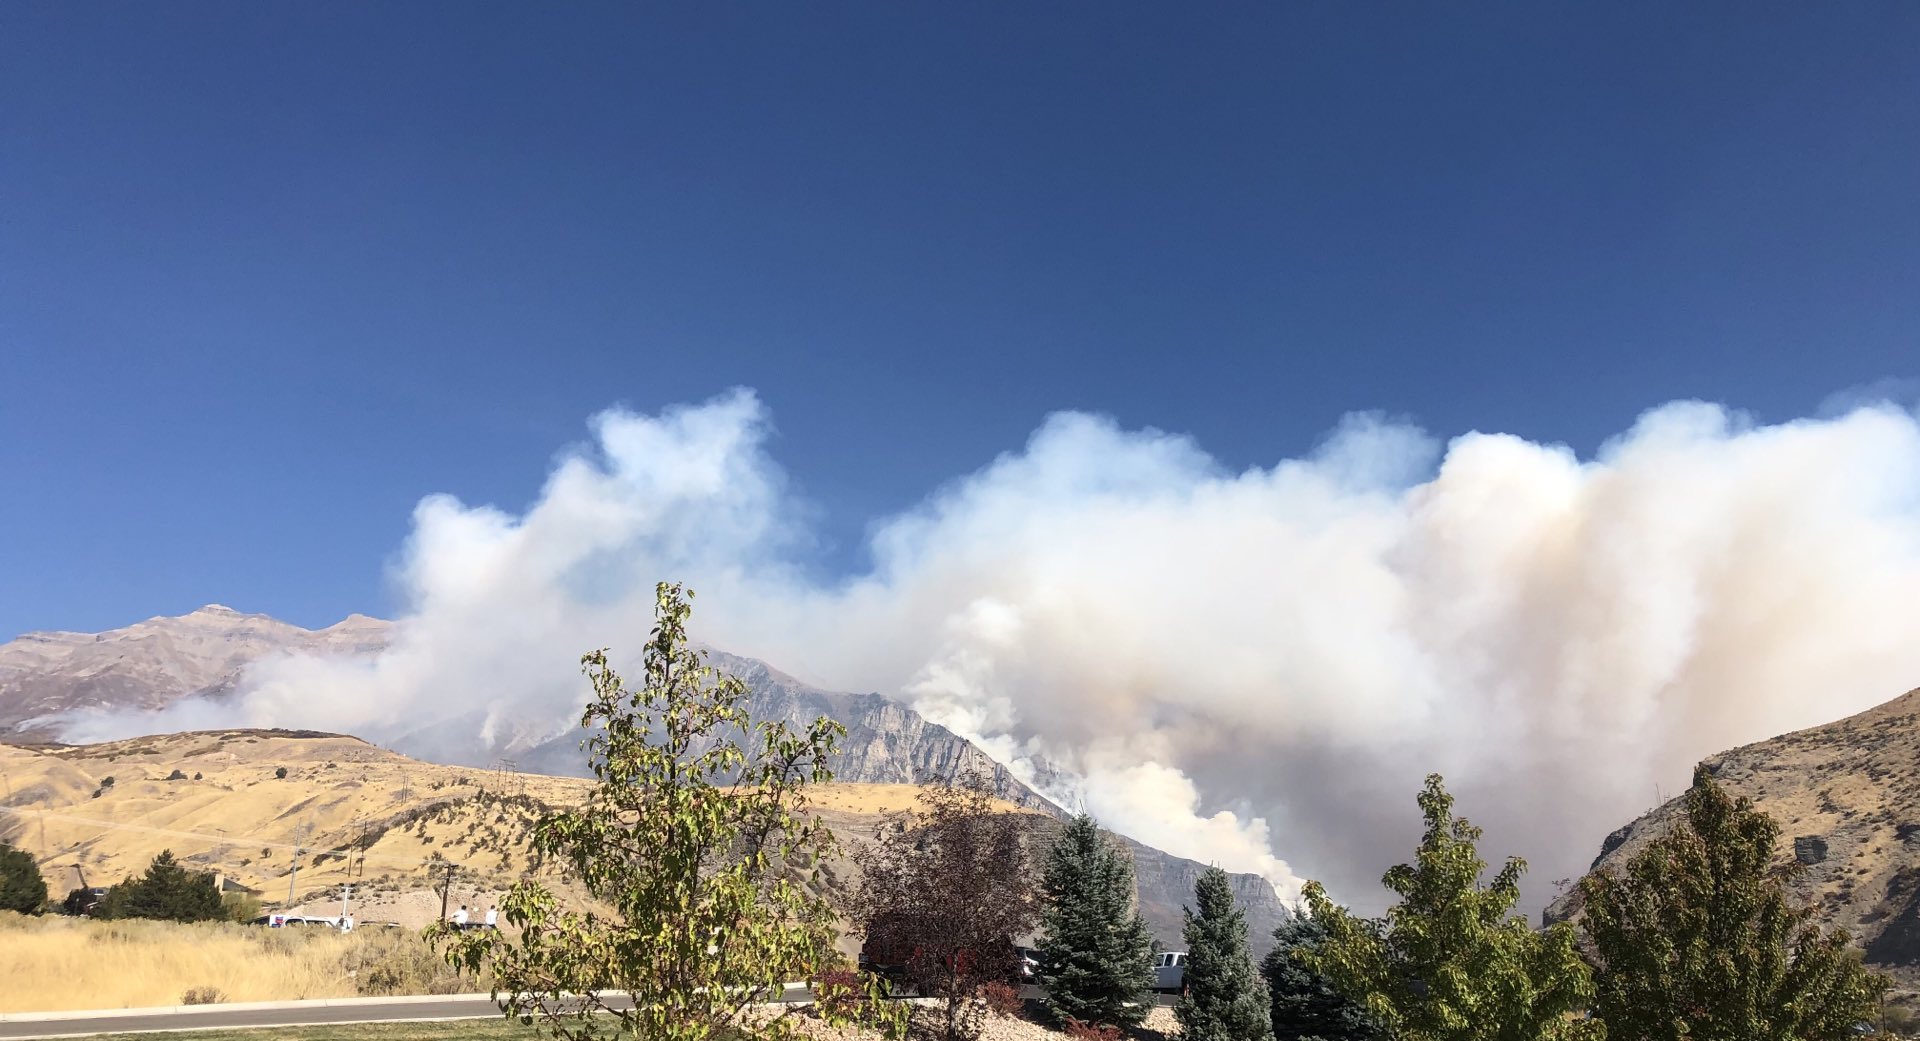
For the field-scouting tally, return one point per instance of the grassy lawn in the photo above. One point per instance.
(498, 1029)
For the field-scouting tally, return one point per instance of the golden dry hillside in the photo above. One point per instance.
(1847, 798)
(345, 811)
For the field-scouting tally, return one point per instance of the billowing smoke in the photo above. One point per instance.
(1237, 667)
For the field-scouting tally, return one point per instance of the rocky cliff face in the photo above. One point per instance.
(885, 743)
(1847, 798)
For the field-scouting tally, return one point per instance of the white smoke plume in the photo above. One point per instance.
(1237, 667)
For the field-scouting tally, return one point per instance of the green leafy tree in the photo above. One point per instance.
(167, 892)
(694, 840)
(1225, 999)
(1306, 1007)
(1452, 962)
(22, 888)
(1697, 938)
(1097, 967)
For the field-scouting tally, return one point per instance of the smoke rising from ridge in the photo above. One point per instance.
(1254, 668)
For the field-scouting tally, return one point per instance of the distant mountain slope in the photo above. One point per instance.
(152, 664)
(161, 661)
(886, 742)
(1847, 797)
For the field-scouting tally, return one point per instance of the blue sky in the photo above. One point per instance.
(271, 272)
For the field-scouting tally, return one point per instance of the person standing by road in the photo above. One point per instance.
(493, 918)
(460, 917)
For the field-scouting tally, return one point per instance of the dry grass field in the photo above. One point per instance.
(53, 963)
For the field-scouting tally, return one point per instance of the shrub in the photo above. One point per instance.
(1089, 1032)
(402, 963)
(177, 775)
(1002, 999)
(280, 772)
(196, 775)
(837, 991)
(203, 996)
(241, 907)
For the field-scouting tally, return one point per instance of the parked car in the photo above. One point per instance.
(1029, 962)
(1170, 971)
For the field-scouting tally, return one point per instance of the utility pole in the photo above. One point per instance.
(294, 872)
(446, 887)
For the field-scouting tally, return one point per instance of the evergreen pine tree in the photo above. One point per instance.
(21, 887)
(168, 891)
(1452, 962)
(1306, 1007)
(1225, 1000)
(1098, 964)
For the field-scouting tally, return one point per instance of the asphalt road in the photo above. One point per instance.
(213, 1017)
(342, 1010)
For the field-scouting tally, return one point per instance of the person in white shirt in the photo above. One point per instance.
(493, 918)
(460, 917)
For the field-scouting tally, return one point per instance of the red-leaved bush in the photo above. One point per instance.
(1091, 1032)
(837, 991)
(1001, 999)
